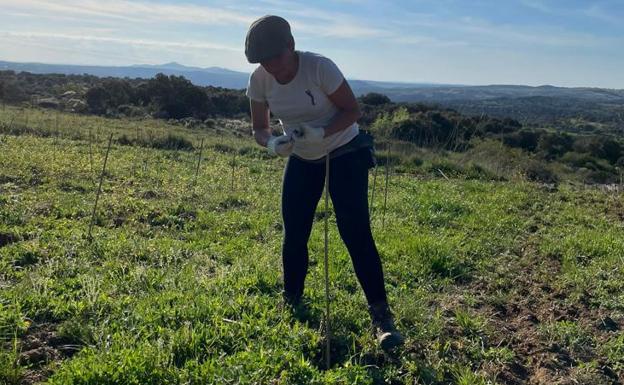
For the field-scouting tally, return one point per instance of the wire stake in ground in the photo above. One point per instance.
(327, 323)
(201, 147)
(90, 152)
(233, 170)
(97, 196)
(383, 217)
(442, 173)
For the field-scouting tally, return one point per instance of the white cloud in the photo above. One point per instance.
(67, 48)
(427, 41)
(338, 30)
(539, 6)
(307, 20)
(211, 33)
(481, 33)
(597, 12)
(134, 11)
(132, 42)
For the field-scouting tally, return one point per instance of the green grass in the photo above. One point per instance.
(181, 284)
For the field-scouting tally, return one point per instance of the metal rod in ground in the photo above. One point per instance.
(383, 217)
(11, 123)
(327, 323)
(201, 147)
(91, 150)
(444, 175)
(97, 196)
(233, 168)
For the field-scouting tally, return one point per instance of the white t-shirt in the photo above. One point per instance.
(304, 100)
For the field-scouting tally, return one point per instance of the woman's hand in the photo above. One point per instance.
(309, 134)
(281, 145)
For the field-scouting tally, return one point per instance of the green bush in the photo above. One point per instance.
(449, 168)
(585, 160)
(475, 171)
(413, 160)
(172, 142)
(374, 99)
(540, 172)
(223, 148)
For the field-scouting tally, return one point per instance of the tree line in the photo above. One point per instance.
(430, 126)
(446, 129)
(166, 97)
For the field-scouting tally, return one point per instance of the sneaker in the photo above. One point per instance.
(293, 304)
(388, 337)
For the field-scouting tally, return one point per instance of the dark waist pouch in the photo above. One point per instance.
(363, 141)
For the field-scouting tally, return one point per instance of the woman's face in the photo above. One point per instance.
(279, 66)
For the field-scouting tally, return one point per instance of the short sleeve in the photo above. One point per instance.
(330, 77)
(255, 90)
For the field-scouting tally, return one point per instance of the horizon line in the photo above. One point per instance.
(416, 83)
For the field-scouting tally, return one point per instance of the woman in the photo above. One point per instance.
(318, 111)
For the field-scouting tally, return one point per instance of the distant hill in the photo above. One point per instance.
(398, 92)
(214, 76)
(538, 105)
(445, 93)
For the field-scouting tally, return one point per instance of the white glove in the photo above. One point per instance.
(280, 145)
(309, 134)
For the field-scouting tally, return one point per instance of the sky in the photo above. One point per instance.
(566, 43)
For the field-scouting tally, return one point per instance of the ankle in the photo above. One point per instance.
(291, 298)
(380, 311)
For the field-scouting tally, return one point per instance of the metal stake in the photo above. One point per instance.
(327, 324)
(383, 217)
(97, 196)
(233, 169)
(201, 147)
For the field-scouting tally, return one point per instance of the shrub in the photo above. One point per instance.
(375, 99)
(172, 142)
(524, 139)
(586, 160)
(450, 169)
(383, 158)
(223, 148)
(11, 92)
(478, 172)
(414, 160)
(540, 172)
(124, 140)
(601, 177)
(255, 152)
(554, 145)
(108, 96)
(600, 147)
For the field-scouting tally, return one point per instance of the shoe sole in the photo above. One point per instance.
(389, 341)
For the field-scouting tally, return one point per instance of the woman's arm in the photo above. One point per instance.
(260, 122)
(344, 99)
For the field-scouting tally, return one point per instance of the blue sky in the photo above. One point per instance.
(565, 43)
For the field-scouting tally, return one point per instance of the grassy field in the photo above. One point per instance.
(491, 282)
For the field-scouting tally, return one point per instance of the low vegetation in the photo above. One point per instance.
(551, 152)
(494, 279)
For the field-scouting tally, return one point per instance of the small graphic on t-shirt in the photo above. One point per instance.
(309, 93)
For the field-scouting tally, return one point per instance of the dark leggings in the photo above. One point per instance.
(348, 188)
